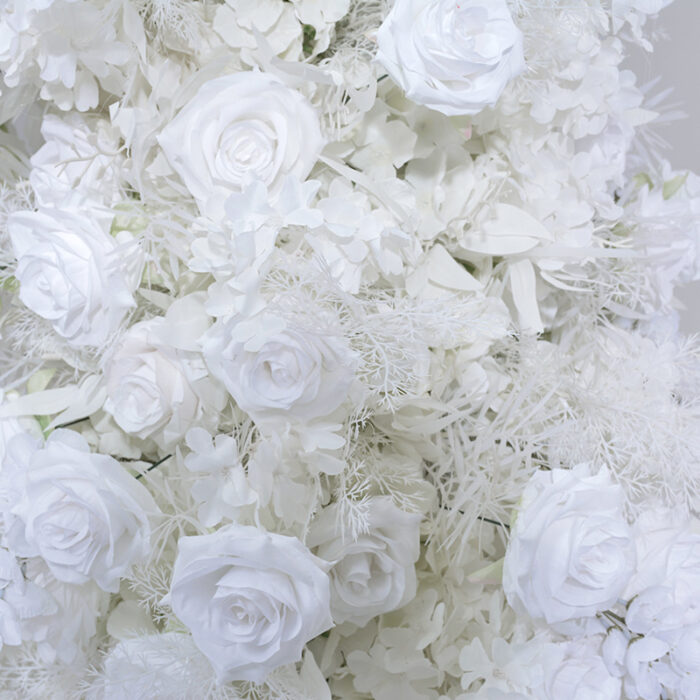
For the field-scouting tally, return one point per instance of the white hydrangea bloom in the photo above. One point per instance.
(65, 48)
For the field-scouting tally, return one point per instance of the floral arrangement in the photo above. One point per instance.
(340, 355)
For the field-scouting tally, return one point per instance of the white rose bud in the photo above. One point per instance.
(571, 552)
(251, 599)
(237, 128)
(70, 273)
(374, 573)
(454, 57)
(148, 393)
(83, 513)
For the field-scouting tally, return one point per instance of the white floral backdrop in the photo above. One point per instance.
(340, 353)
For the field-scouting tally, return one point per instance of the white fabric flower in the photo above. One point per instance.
(571, 552)
(223, 489)
(645, 666)
(251, 599)
(357, 244)
(11, 426)
(281, 372)
(79, 154)
(237, 22)
(70, 273)
(237, 128)
(66, 626)
(663, 614)
(148, 392)
(65, 47)
(455, 57)
(20, 602)
(142, 667)
(580, 675)
(374, 572)
(85, 515)
(668, 552)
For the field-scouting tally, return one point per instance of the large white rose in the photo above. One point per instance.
(373, 573)
(282, 372)
(455, 57)
(238, 128)
(85, 515)
(251, 599)
(571, 552)
(70, 272)
(148, 393)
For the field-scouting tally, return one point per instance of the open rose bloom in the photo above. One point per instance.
(340, 353)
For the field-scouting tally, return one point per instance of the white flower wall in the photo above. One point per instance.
(339, 354)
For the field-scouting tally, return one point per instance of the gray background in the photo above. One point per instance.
(676, 58)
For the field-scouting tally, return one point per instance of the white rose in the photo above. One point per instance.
(85, 515)
(251, 599)
(373, 573)
(237, 128)
(148, 393)
(571, 552)
(455, 57)
(282, 372)
(70, 273)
